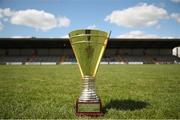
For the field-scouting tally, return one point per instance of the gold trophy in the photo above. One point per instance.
(88, 47)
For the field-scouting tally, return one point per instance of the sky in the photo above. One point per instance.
(56, 18)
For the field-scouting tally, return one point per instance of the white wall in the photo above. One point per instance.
(176, 51)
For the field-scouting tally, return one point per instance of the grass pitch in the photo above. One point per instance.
(126, 91)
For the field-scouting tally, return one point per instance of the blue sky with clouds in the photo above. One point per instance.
(56, 18)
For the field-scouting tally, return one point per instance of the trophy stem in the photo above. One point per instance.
(89, 90)
(89, 104)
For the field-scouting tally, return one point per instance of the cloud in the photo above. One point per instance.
(142, 15)
(65, 36)
(34, 18)
(21, 36)
(63, 22)
(1, 16)
(136, 34)
(37, 19)
(176, 16)
(92, 26)
(176, 1)
(6, 12)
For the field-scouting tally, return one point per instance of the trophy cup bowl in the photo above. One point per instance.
(88, 47)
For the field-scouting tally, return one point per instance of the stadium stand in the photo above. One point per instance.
(58, 51)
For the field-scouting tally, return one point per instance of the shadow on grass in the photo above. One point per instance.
(125, 105)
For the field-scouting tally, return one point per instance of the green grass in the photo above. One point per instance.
(126, 91)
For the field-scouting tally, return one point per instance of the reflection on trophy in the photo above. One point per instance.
(88, 47)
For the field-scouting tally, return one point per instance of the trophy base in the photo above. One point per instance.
(89, 108)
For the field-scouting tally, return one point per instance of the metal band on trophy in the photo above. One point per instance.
(88, 47)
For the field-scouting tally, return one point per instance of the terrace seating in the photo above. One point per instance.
(122, 59)
(46, 59)
(13, 58)
(166, 59)
(163, 59)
